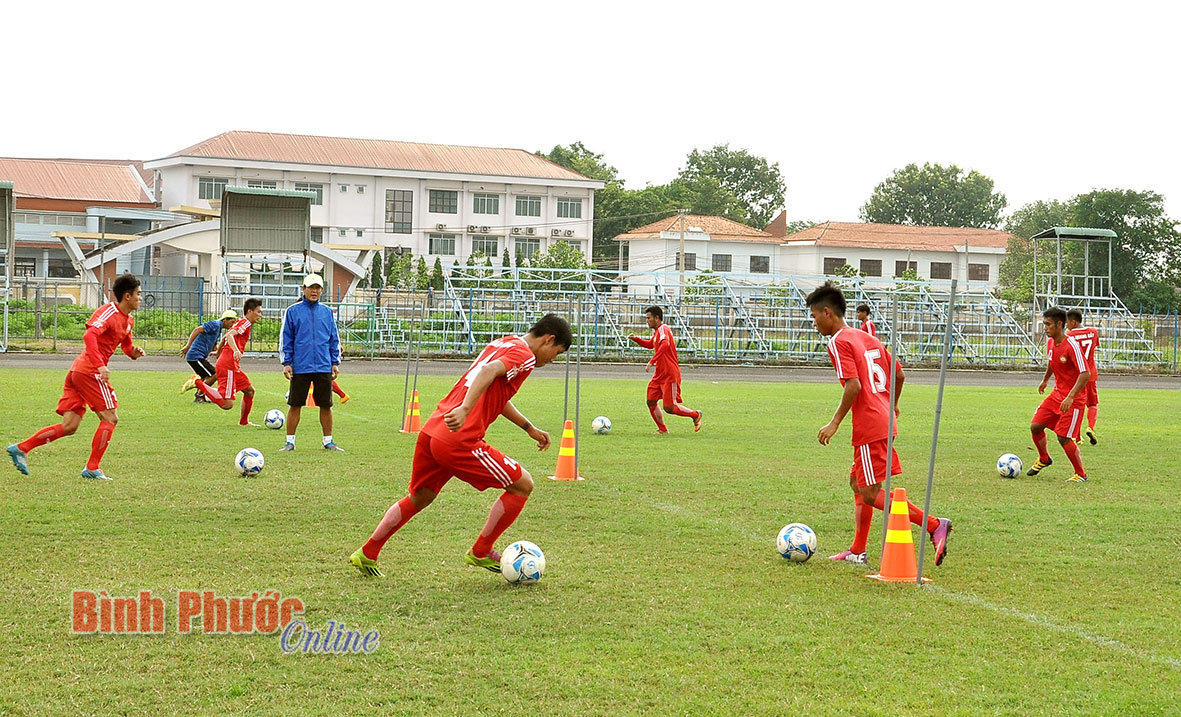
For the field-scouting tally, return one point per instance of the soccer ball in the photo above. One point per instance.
(601, 425)
(274, 419)
(522, 562)
(796, 542)
(249, 461)
(1009, 466)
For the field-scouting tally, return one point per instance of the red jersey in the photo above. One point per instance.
(1067, 362)
(516, 356)
(1088, 341)
(107, 329)
(244, 326)
(664, 355)
(856, 354)
(868, 327)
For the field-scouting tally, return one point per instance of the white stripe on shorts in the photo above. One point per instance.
(867, 462)
(1073, 423)
(493, 469)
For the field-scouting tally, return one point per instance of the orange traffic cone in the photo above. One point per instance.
(898, 564)
(413, 422)
(566, 469)
(311, 397)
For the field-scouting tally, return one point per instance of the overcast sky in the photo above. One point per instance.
(1047, 99)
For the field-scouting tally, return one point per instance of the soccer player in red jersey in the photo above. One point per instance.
(666, 381)
(1088, 340)
(863, 312)
(230, 376)
(452, 444)
(88, 381)
(862, 364)
(1062, 410)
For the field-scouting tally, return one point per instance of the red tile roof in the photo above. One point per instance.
(148, 175)
(897, 236)
(378, 154)
(778, 226)
(74, 180)
(718, 228)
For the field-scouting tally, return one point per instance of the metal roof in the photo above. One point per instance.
(266, 192)
(899, 236)
(73, 180)
(1075, 233)
(5, 184)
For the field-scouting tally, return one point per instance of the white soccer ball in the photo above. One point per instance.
(249, 461)
(1009, 466)
(601, 425)
(522, 562)
(796, 542)
(274, 419)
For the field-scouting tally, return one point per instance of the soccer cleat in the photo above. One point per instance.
(849, 556)
(1038, 466)
(95, 474)
(939, 540)
(367, 567)
(288, 447)
(1091, 436)
(1076, 478)
(491, 562)
(19, 459)
(697, 421)
(345, 398)
(661, 433)
(190, 384)
(200, 398)
(248, 424)
(333, 447)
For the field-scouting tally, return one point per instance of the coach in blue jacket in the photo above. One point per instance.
(310, 350)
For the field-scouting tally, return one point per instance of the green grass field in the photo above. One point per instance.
(663, 592)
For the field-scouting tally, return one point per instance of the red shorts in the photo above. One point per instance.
(86, 389)
(869, 463)
(231, 379)
(1092, 393)
(479, 465)
(668, 391)
(1067, 424)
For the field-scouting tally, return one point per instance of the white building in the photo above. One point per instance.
(427, 199)
(714, 243)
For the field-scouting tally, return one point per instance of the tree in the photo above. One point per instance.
(756, 185)
(561, 255)
(934, 195)
(422, 279)
(1016, 273)
(437, 274)
(800, 225)
(580, 159)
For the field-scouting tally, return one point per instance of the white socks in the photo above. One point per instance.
(327, 440)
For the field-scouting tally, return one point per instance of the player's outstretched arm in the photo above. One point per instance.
(192, 337)
(455, 418)
(518, 419)
(852, 388)
(646, 343)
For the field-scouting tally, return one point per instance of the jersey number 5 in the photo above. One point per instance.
(877, 376)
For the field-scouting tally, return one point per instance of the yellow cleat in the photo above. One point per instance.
(345, 398)
(367, 567)
(1076, 478)
(1037, 467)
(190, 384)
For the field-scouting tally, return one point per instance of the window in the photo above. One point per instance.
(24, 267)
(61, 269)
(871, 267)
(941, 270)
(570, 208)
(262, 184)
(211, 187)
(442, 243)
(360, 233)
(399, 210)
(528, 206)
(690, 261)
(443, 201)
(318, 234)
(760, 265)
(900, 267)
(487, 245)
(344, 232)
(485, 204)
(528, 248)
(977, 272)
(832, 263)
(721, 262)
(317, 189)
(344, 188)
(360, 189)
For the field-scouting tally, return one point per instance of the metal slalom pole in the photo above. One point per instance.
(890, 433)
(577, 386)
(935, 432)
(566, 397)
(418, 344)
(409, 353)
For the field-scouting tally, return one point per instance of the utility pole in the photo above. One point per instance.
(681, 255)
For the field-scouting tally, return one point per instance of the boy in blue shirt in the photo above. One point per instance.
(197, 350)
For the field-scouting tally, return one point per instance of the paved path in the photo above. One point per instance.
(779, 374)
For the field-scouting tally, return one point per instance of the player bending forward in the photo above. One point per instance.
(88, 382)
(230, 376)
(1062, 410)
(1088, 341)
(452, 442)
(666, 381)
(863, 367)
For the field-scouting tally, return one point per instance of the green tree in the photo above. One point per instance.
(800, 225)
(756, 184)
(580, 159)
(934, 195)
(437, 274)
(561, 255)
(422, 278)
(1015, 278)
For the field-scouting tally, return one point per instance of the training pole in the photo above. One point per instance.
(409, 353)
(418, 344)
(890, 434)
(935, 432)
(577, 385)
(566, 397)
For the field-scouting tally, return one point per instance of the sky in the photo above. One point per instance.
(1048, 99)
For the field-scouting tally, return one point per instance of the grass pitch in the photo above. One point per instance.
(663, 592)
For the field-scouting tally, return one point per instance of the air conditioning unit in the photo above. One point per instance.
(472, 228)
(530, 231)
(441, 227)
(516, 230)
(555, 232)
(569, 232)
(485, 230)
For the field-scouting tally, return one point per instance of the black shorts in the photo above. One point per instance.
(321, 384)
(203, 368)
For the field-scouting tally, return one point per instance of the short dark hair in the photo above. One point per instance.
(1055, 314)
(556, 326)
(251, 304)
(1075, 315)
(827, 295)
(655, 311)
(864, 308)
(124, 285)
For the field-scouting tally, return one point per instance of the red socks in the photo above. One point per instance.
(211, 393)
(247, 404)
(1076, 458)
(337, 389)
(679, 410)
(862, 519)
(655, 411)
(40, 438)
(398, 515)
(1092, 414)
(916, 513)
(1039, 440)
(98, 445)
(504, 511)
